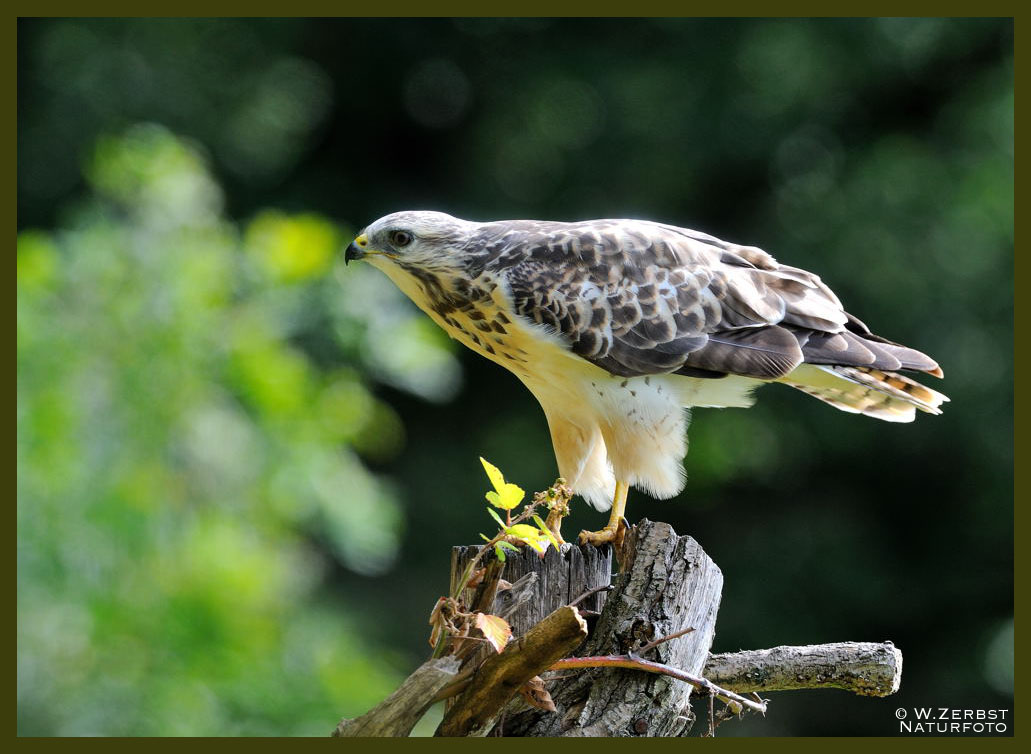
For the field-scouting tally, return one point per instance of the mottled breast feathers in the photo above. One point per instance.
(638, 298)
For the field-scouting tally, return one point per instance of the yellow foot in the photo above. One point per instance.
(613, 534)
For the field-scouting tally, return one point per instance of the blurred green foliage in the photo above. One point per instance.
(239, 466)
(176, 448)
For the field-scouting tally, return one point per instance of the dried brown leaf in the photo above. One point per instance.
(437, 621)
(494, 629)
(536, 695)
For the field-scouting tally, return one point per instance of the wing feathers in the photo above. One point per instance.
(764, 352)
(638, 298)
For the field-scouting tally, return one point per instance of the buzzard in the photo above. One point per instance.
(618, 327)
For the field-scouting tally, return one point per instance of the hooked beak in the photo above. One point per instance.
(356, 249)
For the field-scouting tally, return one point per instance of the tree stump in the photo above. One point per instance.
(659, 617)
(668, 583)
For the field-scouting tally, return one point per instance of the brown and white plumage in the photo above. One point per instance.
(618, 326)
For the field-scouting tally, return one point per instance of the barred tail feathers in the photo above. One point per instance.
(888, 396)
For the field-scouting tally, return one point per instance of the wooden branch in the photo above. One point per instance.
(864, 668)
(398, 713)
(501, 676)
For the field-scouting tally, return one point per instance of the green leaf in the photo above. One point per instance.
(508, 546)
(505, 495)
(528, 535)
(499, 551)
(496, 517)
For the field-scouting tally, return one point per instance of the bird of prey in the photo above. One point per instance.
(618, 327)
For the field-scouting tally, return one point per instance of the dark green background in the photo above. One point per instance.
(241, 466)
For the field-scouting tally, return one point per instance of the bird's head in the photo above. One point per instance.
(415, 241)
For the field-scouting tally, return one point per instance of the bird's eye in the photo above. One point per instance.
(400, 238)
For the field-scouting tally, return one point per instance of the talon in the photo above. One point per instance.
(597, 538)
(611, 534)
(615, 530)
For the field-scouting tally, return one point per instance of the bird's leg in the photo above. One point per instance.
(615, 529)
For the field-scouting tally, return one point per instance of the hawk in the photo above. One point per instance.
(618, 327)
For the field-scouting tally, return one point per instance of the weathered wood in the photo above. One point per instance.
(668, 584)
(864, 668)
(398, 713)
(501, 676)
(561, 578)
(517, 598)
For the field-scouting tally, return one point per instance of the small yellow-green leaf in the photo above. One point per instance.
(523, 531)
(528, 535)
(505, 494)
(499, 552)
(511, 496)
(508, 498)
(495, 630)
(493, 473)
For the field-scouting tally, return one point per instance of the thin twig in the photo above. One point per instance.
(662, 640)
(735, 702)
(712, 724)
(589, 592)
